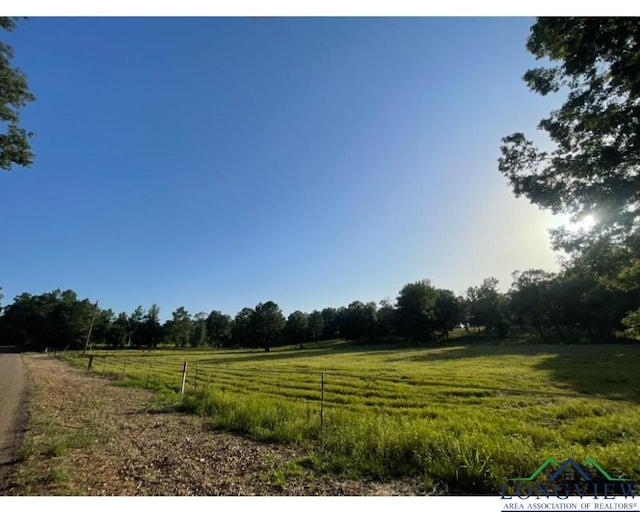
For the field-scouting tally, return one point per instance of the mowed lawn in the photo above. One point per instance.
(464, 416)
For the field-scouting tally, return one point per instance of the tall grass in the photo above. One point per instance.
(467, 416)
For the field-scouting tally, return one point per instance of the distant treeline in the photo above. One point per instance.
(564, 308)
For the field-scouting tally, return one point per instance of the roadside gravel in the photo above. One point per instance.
(87, 436)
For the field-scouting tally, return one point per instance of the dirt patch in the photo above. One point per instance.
(87, 436)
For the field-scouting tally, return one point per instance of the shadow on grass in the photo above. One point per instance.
(292, 354)
(600, 370)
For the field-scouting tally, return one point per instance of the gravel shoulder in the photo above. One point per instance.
(13, 387)
(87, 436)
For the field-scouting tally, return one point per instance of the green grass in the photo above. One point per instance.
(465, 415)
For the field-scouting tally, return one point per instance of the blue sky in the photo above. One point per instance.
(216, 163)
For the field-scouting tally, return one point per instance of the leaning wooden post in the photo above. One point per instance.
(184, 379)
(93, 317)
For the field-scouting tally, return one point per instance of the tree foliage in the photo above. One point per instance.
(218, 328)
(180, 328)
(446, 312)
(268, 322)
(416, 303)
(149, 327)
(487, 307)
(594, 168)
(14, 95)
(315, 324)
(54, 319)
(297, 327)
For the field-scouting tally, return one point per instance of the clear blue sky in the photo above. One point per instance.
(217, 163)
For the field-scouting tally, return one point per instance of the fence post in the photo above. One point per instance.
(124, 366)
(184, 379)
(90, 363)
(195, 378)
(148, 375)
(322, 401)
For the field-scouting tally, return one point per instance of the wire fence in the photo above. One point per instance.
(186, 377)
(320, 389)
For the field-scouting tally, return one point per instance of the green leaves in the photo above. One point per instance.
(595, 166)
(14, 95)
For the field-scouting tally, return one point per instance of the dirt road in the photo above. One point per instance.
(12, 395)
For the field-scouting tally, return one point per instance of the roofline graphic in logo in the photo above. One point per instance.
(592, 461)
(560, 468)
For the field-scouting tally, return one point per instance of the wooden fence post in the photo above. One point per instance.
(124, 366)
(184, 379)
(195, 378)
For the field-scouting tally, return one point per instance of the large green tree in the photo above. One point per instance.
(218, 328)
(447, 312)
(594, 165)
(199, 333)
(135, 322)
(268, 322)
(54, 319)
(487, 307)
(297, 327)
(331, 328)
(415, 310)
(243, 332)
(14, 95)
(150, 328)
(532, 300)
(179, 329)
(358, 321)
(315, 322)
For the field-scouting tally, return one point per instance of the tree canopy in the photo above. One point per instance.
(14, 95)
(594, 168)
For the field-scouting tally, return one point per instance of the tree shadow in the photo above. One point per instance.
(597, 370)
(293, 354)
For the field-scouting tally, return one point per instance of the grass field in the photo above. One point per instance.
(464, 417)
